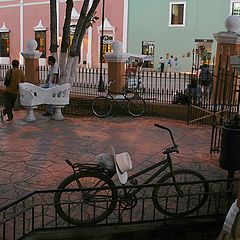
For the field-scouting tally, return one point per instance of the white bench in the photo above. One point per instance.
(31, 96)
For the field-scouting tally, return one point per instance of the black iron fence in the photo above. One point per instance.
(36, 211)
(168, 88)
(152, 85)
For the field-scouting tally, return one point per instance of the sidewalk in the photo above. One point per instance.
(33, 153)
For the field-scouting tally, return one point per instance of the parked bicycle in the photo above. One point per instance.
(95, 196)
(102, 106)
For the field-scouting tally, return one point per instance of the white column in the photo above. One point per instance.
(21, 30)
(89, 53)
(90, 35)
(125, 25)
(57, 7)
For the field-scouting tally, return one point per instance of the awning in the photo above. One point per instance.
(140, 56)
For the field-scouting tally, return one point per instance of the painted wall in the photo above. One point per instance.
(114, 13)
(35, 10)
(149, 21)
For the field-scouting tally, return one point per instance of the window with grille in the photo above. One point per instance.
(177, 13)
(235, 8)
(4, 44)
(40, 37)
(107, 45)
(148, 49)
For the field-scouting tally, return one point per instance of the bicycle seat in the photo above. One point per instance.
(171, 149)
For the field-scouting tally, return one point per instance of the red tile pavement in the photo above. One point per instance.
(33, 153)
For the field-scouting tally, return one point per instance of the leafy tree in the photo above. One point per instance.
(69, 56)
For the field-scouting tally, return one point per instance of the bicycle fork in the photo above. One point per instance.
(179, 191)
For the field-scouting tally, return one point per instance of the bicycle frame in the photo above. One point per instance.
(98, 176)
(162, 165)
(125, 98)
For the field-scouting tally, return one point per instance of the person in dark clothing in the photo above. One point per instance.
(194, 92)
(10, 94)
(205, 79)
(161, 63)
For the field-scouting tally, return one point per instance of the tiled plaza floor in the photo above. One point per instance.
(32, 154)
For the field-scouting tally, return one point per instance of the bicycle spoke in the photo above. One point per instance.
(86, 206)
(101, 106)
(136, 106)
(193, 193)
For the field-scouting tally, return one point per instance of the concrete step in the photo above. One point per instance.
(194, 229)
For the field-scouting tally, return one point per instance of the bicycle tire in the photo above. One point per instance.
(136, 106)
(168, 201)
(86, 207)
(101, 107)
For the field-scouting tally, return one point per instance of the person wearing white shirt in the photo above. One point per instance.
(52, 79)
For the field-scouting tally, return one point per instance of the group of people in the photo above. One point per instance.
(171, 66)
(198, 89)
(17, 76)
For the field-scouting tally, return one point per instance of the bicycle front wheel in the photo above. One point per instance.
(136, 106)
(83, 207)
(101, 106)
(194, 193)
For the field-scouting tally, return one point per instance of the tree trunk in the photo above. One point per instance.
(65, 37)
(69, 61)
(73, 69)
(79, 28)
(86, 24)
(53, 28)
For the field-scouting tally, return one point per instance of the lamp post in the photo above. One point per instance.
(101, 83)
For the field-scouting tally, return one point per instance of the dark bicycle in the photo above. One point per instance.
(102, 106)
(186, 190)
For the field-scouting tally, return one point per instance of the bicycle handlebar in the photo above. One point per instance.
(170, 132)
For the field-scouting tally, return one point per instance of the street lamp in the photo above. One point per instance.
(101, 83)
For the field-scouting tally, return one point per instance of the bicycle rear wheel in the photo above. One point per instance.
(136, 106)
(193, 186)
(101, 106)
(83, 207)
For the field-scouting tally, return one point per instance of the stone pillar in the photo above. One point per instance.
(228, 44)
(31, 58)
(116, 67)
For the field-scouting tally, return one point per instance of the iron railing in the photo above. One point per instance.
(156, 86)
(36, 211)
(151, 85)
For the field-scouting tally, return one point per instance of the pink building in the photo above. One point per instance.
(22, 20)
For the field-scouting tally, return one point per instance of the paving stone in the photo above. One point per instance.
(32, 154)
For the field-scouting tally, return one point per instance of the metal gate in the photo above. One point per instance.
(223, 100)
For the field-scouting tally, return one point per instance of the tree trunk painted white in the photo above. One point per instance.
(68, 60)
(67, 72)
(73, 70)
(62, 65)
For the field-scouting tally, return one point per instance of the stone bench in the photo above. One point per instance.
(31, 96)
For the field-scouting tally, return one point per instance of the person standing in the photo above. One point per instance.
(170, 64)
(52, 79)
(175, 64)
(16, 76)
(206, 80)
(161, 63)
